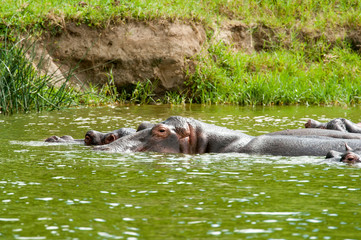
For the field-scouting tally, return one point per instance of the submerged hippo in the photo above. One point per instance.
(94, 137)
(340, 124)
(349, 156)
(186, 135)
(65, 138)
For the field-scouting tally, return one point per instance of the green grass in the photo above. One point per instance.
(22, 87)
(276, 13)
(277, 77)
(293, 68)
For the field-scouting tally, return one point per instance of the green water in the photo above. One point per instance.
(50, 191)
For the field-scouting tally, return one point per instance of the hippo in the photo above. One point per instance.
(145, 125)
(340, 124)
(94, 137)
(317, 132)
(63, 139)
(186, 135)
(348, 156)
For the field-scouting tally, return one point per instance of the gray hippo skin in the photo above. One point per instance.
(181, 135)
(317, 132)
(145, 125)
(63, 139)
(297, 145)
(340, 124)
(186, 135)
(347, 156)
(93, 137)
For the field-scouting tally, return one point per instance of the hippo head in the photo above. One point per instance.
(94, 138)
(57, 139)
(174, 135)
(98, 138)
(350, 156)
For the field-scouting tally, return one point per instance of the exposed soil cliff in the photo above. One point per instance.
(133, 52)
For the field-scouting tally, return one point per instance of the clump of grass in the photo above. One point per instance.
(108, 93)
(143, 92)
(22, 88)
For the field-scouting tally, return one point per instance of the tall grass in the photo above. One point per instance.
(22, 88)
(282, 76)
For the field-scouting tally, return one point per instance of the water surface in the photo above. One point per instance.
(52, 191)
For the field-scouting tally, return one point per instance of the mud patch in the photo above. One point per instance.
(354, 39)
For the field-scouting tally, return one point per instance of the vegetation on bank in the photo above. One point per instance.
(22, 88)
(281, 76)
(305, 62)
(314, 14)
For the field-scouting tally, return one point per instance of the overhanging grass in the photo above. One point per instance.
(276, 13)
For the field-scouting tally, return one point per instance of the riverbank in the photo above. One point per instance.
(243, 53)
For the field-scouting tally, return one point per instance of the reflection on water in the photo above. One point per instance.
(63, 191)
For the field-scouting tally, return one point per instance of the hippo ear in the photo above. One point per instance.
(348, 148)
(110, 138)
(197, 140)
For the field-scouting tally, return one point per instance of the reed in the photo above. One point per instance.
(22, 88)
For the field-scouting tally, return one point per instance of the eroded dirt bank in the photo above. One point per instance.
(132, 52)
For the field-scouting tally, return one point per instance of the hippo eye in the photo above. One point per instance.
(161, 131)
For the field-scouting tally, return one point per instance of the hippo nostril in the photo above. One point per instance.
(87, 139)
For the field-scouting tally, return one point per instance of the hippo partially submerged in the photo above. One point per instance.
(340, 124)
(186, 135)
(93, 137)
(349, 155)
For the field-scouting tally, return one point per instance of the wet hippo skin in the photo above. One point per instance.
(340, 124)
(93, 137)
(186, 135)
(349, 155)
